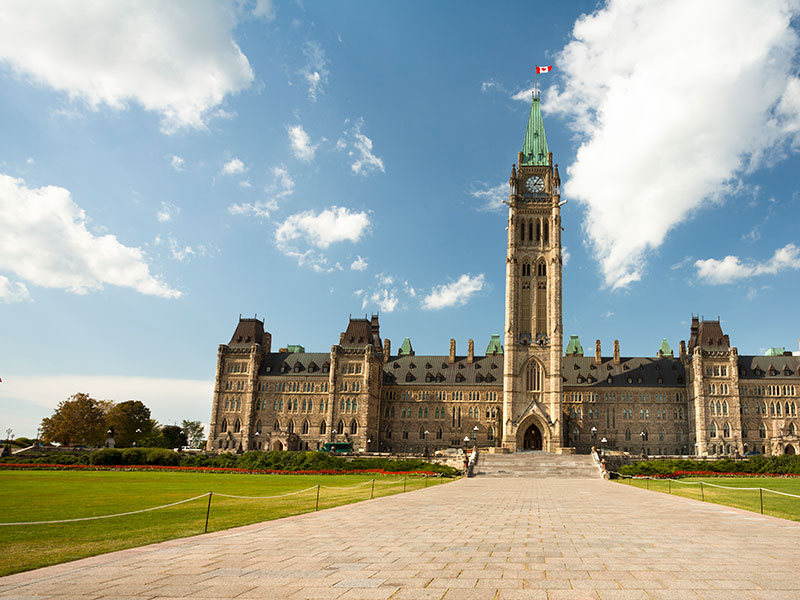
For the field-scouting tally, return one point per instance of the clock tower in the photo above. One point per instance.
(533, 330)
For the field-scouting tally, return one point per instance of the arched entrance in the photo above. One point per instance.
(789, 449)
(277, 445)
(532, 439)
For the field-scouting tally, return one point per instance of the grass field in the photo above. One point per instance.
(54, 495)
(747, 499)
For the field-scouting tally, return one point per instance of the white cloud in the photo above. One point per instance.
(178, 253)
(13, 291)
(264, 9)
(176, 162)
(359, 148)
(44, 240)
(712, 107)
(316, 70)
(282, 186)
(491, 198)
(565, 256)
(524, 95)
(233, 167)
(731, 268)
(177, 59)
(302, 148)
(334, 224)
(168, 210)
(359, 264)
(385, 299)
(456, 293)
(384, 279)
(169, 400)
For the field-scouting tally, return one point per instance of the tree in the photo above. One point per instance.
(131, 422)
(173, 436)
(195, 433)
(78, 420)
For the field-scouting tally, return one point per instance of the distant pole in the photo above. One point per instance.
(372, 493)
(669, 485)
(404, 482)
(208, 510)
(702, 494)
(761, 499)
(316, 508)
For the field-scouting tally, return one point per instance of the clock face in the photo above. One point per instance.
(535, 184)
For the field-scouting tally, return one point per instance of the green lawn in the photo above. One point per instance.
(747, 499)
(53, 495)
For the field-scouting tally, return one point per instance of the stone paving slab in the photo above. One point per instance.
(492, 538)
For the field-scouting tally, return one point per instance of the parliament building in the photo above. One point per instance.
(526, 392)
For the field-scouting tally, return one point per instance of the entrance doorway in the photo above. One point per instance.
(789, 449)
(277, 446)
(532, 439)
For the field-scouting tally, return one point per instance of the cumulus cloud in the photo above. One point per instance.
(359, 149)
(302, 148)
(385, 299)
(44, 240)
(456, 293)
(359, 264)
(233, 167)
(491, 198)
(176, 59)
(334, 224)
(13, 291)
(731, 268)
(315, 71)
(168, 210)
(282, 186)
(712, 105)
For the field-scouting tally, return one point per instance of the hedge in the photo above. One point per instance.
(766, 465)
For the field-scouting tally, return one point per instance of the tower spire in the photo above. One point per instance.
(534, 147)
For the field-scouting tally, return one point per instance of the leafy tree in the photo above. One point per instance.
(174, 436)
(126, 418)
(78, 420)
(195, 433)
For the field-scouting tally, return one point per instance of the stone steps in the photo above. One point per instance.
(539, 465)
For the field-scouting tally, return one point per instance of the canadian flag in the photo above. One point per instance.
(546, 69)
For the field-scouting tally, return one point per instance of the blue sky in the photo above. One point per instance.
(167, 167)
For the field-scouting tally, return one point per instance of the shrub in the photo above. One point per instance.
(162, 457)
(106, 456)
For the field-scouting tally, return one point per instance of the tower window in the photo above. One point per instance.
(541, 270)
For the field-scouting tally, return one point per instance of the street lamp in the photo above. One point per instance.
(475, 433)
(594, 436)
(369, 441)
(466, 440)
(603, 442)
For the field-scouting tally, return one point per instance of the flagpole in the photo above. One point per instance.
(535, 76)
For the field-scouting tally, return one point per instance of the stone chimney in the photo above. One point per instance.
(470, 351)
(616, 352)
(452, 351)
(387, 349)
(682, 350)
(598, 356)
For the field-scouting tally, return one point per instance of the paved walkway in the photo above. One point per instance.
(478, 538)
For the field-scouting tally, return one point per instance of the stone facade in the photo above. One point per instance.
(524, 394)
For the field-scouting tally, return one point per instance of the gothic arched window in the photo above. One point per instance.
(533, 377)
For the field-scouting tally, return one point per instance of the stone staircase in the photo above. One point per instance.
(540, 465)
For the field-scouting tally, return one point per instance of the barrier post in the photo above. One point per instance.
(404, 482)
(426, 480)
(648, 482)
(372, 493)
(208, 511)
(761, 499)
(669, 485)
(702, 494)
(316, 508)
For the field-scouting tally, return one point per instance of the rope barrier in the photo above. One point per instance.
(701, 483)
(317, 487)
(266, 497)
(133, 512)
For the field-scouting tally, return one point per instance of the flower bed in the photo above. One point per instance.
(46, 466)
(680, 474)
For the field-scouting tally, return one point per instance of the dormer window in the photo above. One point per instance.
(460, 378)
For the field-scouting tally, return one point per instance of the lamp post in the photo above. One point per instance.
(603, 442)
(255, 442)
(735, 446)
(425, 439)
(136, 437)
(369, 441)
(644, 435)
(594, 436)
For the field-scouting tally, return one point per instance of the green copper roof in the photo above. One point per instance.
(494, 347)
(534, 148)
(665, 350)
(296, 348)
(775, 352)
(405, 348)
(574, 347)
